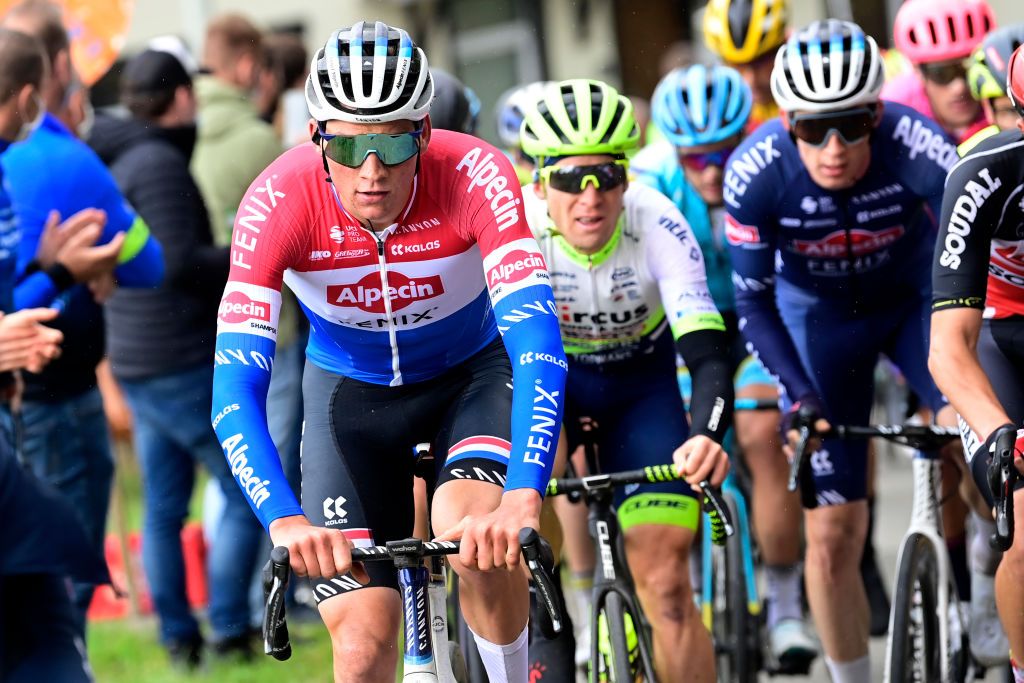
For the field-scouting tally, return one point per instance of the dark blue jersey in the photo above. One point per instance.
(851, 250)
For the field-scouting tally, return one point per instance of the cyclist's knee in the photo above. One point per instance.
(835, 536)
(363, 625)
(659, 557)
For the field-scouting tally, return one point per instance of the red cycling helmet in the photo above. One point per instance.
(1015, 79)
(941, 30)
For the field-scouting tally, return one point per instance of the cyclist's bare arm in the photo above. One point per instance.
(953, 362)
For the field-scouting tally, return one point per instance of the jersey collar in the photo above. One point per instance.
(589, 260)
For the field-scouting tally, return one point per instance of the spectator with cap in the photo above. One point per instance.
(41, 540)
(160, 343)
(64, 438)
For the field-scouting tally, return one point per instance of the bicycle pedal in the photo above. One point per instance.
(797, 664)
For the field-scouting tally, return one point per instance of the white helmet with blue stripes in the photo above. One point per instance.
(827, 66)
(369, 73)
(701, 105)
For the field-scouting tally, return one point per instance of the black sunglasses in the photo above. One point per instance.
(574, 179)
(852, 126)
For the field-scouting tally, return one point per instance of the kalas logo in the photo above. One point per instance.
(862, 242)
(236, 307)
(402, 291)
(516, 266)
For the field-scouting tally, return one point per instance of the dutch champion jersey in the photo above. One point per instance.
(394, 307)
(647, 281)
(852, 249)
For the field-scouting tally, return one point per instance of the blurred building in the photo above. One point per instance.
(494, 44)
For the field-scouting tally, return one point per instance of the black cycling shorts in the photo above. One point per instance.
(1001, 354)
(358, 443)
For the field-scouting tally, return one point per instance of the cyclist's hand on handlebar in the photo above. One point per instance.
(316, 552)
(491, 541)
(701, 458)
(807, 412)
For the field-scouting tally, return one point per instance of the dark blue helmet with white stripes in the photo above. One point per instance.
(826, 66)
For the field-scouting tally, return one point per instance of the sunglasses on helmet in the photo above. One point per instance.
(852, 126)
(351, 150)
(944, 73)
(700, 161)
(574, 179)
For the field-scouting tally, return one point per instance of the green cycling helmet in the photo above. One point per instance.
(987, 72)
(577, 117)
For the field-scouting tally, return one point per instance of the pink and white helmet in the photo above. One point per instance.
(941, 30)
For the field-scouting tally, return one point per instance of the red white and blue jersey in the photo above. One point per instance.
(396, 306)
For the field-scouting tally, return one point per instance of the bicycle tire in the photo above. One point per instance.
(459, 669)
(614, 615)
(734, 633)
(915, 653)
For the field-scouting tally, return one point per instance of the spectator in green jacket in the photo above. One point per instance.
(234, 143)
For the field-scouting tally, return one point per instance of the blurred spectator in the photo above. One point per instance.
(41, 540)
(455, 106)
(235, 144)
(160, 344)
(234, 147)
(64, 437)
(280, 99)
(937, 37)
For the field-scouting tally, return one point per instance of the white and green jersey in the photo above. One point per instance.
(616, 304)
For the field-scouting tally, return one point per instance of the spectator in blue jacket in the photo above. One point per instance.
(41, 540)
(53, 174)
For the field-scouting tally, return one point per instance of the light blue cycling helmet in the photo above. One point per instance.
(698, 105)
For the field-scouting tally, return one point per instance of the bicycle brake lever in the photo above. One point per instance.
(721, 522)
(275, 582)
(538, 558)
(798, 457)
(1005, 479)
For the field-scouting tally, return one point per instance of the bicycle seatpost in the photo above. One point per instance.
(275, 583)
(1002, 477)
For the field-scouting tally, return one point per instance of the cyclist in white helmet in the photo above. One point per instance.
(413, 263)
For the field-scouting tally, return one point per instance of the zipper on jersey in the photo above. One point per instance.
(396, 370)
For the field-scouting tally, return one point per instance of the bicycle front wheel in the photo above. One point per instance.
(733, 628)
(613, 664)
(914, 641)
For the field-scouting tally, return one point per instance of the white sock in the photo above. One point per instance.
(983, 557)
(857, 671)
(505, 663)
(783, 592)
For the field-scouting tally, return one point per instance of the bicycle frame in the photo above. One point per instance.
(742, 523)
(424, 596)
(611, 572)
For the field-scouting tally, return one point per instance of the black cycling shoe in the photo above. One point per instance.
(186, 655)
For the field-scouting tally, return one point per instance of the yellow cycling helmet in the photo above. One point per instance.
(740, 31)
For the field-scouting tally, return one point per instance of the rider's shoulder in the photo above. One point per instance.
(767, 158)
(1001, 154)
(906, 135)
(645, 208)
